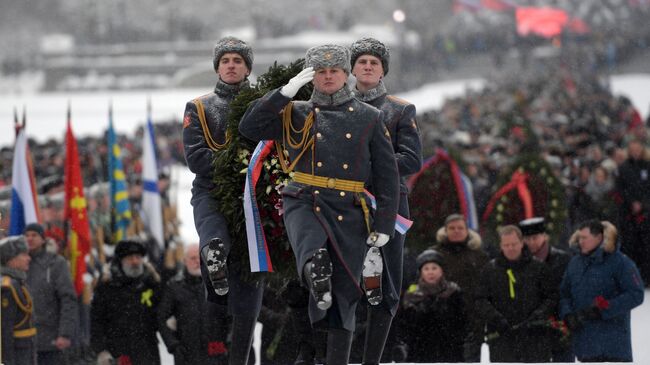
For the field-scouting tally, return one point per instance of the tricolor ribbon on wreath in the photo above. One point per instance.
(258, 250)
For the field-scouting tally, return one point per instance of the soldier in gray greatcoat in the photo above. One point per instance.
(18, 331)
(336, 144)
(370, 60)
(204, 135)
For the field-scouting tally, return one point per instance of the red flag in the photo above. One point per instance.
(545, 22)
(75, 211)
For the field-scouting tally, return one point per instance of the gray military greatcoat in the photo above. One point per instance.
(399, 118)
(245, 298)
(351, 143)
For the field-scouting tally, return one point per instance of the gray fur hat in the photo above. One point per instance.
(232, 44)
(11, 247)
(371, 47)
(328, 55)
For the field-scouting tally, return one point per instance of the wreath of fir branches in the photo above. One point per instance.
(432, 198)
(230, 167)
(547, 194)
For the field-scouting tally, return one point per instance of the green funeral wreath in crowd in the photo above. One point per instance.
(230, 166)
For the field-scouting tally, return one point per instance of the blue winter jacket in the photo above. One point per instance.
(614, 276)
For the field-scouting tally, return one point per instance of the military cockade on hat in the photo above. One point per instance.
(373, 47)
(329, 55)
(234, 45)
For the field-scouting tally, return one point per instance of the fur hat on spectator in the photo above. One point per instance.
(128, 247)
(232, 44)
(371, 47)
(11, 247)
(328, 55)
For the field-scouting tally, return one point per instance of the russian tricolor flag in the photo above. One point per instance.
(24, 201)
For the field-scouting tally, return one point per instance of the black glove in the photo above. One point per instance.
(573, 321)
(590, 314)
(501, 325)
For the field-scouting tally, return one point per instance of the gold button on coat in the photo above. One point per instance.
(348, 135)
(316, 192)
(345, 166)
(340, 218)
(318, 209)
(351, 109)
(342, 193)
(316, 110)
(319, 164)
(319, 135)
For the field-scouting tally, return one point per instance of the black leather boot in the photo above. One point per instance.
(214, 256)
(241, 339)
(318, 273)
(339, 342)
(302, 324)
(378, 326)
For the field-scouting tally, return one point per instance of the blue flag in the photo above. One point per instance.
(120, 209)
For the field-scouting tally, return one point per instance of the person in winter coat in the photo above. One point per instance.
(56, 314)
(600, 288)
(464, 261)
(123, 311)
(18, 331)
(556, 260)
(326, 212)
(633, 184)
(370, 61)
(514, 296)
(432, 315)
(193, 329)
(204, 136)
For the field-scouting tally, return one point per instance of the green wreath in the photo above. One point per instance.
(548, 200)
(230, 167)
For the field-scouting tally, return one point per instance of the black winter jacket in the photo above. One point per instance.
(201, 326)
(123, 315)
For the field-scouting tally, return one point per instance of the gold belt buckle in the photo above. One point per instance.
(331, 183)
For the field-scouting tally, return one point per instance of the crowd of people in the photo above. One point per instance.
(530, 301)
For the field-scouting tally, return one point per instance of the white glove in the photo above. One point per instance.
(376, 239)
(301, 79)
(104, 358)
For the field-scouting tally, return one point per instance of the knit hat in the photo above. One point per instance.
(429, 255)
(11, 247)
(371, 47)
(232, 44)
(329, 55)
(35, 227)
(129, 247)
(532, 226)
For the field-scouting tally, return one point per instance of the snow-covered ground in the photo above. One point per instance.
(47, 119)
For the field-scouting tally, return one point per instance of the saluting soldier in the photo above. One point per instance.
(370, 60)
(18, 331)
(334, 144)
(204, 135)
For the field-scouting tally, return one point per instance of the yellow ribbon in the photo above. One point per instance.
(511, 283)
(146, 297)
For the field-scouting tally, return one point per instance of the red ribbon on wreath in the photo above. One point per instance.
(442, 156)
(519, 181)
